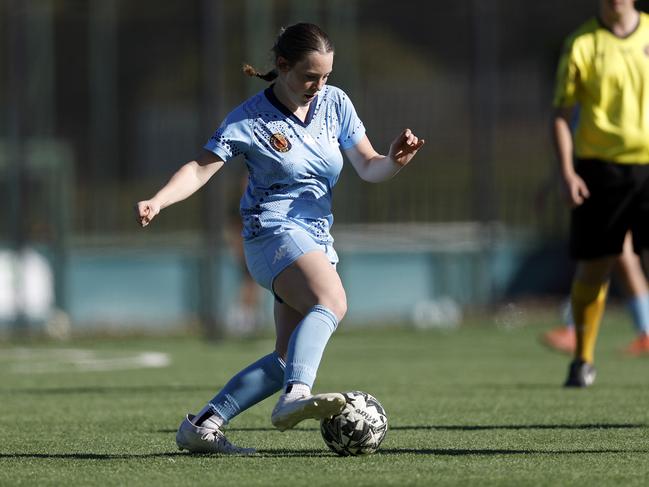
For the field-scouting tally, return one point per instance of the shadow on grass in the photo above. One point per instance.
(112, 389)
(554, 386)
(259, 429)
(487, 427)
(587, 426)
(178, 454)
(497, 451)
(314, 453)
(167, 388)
(294, 453)
(91, 456)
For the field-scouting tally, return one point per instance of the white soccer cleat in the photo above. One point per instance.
(289, 411)
(198, 439)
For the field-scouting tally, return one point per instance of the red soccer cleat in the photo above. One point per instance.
(639, 346)
(562, 339)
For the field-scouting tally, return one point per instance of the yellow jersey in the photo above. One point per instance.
(608, 77)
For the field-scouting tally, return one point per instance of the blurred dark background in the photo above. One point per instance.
(103, 99)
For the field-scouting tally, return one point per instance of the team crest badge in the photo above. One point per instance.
(280, 143)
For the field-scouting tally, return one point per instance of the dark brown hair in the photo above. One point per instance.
(294, 43)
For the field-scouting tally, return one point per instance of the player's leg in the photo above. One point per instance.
(630, 271)
(640, 238)
(597, 230)
(251, 385)
(204, 432)
(588, 299)
(311, 288)
(286, 321)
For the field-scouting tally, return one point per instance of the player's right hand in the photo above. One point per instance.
(576, 190)
(145, 211)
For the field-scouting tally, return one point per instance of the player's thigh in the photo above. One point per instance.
(309, 281)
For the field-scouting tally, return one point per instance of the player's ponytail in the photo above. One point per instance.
(293, 44)
(252, 72)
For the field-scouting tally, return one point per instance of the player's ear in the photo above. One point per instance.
(282, 64)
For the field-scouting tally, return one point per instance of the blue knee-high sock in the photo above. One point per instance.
(253, 384)
(639, 306)
(306, 345)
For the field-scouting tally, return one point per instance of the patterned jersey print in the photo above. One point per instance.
(292, 165)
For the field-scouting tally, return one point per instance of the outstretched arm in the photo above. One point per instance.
(374, 167)
(185, 182)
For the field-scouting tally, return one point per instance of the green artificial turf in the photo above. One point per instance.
(481, 405)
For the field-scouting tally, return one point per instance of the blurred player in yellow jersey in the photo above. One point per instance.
(604, 165)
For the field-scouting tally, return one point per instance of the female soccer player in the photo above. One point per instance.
(604, 69)
(290, 135)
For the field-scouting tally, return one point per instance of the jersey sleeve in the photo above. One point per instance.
(352, 129)
(232, 138)
(567, 79)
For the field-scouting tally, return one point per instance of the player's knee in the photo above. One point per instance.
(340, 310)
(336, 303)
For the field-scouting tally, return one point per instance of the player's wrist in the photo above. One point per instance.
(158, 203)
(567, 172)
(396, 161)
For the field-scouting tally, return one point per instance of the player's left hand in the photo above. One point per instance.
(404, 147)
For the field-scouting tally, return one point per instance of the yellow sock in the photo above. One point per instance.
(588, 304)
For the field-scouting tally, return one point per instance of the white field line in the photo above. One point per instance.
(39, 361)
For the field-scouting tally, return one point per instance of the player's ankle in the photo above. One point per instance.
(297, 389)
(208, 418)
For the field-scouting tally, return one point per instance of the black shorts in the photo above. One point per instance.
(618, 202)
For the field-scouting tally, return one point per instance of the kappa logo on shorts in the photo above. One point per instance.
(280, 253)
(279, 142)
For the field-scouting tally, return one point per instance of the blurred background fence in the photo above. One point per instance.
(103, 99)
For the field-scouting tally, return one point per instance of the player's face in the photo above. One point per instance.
(303, 80)
(616, 7)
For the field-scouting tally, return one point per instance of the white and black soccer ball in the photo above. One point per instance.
(359, 429)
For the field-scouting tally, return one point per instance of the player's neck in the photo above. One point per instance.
(623, 23)
(299, 111)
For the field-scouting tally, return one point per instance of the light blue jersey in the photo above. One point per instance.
(293, 165)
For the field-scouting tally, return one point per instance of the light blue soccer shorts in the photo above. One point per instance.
(268, 255)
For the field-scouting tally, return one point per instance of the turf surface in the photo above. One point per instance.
(481, 405)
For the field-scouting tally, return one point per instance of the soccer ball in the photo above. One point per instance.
(359, 429)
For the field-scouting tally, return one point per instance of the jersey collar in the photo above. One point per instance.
(633, 31)
(282, 108)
